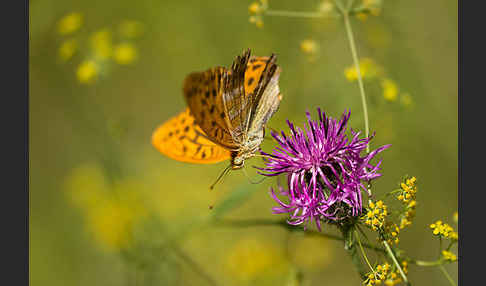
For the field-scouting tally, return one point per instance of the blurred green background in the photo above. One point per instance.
(104, 203)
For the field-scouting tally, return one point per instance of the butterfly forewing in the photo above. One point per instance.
(180, 138)
(202, 91)
(266, 98)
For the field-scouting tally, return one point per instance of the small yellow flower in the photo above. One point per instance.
(87, 72)
(455, 216)
(254, 8)
(390, 89)
(309, 46)
(368, 68)
(67, 49)
(376, 214)
(377, 276)
(125, 54)
(362, 16)
(374, 6)
(70, 23)
(326, 7)
(449, 256)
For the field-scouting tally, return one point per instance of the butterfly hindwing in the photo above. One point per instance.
(181, 139)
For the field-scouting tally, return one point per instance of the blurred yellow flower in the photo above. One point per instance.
(309, 46)
(362, 16)
(257, 20)
(455, 216)
(86, 185)
(326, 7)
(111, 211)
(130, 29)
(87, 72)
(368, 68)
(101, 43)
(125, 53)
(254, 8)
(70, 23)
(250, 258)
(374, 6)
(67, 49)
(390, 89)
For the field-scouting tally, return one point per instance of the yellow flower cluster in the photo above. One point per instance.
(393, 279)
(393, 230)
(444, 230)
(407, 196)
(377, 276)
(101, 46)
(409, 190)
(70, 23)
(449, 256)
(375, 217)
(369, 69)
(256, 9)
(368, 7)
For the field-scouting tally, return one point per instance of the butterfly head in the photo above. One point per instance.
(237, 160)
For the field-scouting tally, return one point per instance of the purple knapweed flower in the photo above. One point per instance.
(325, 171)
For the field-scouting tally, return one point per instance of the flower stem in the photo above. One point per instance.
(293, 14)
(352, 45)
(392, 256)
(363, 252)
(427, 263)
(442, 268)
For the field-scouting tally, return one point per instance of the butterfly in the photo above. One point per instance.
(227, 111)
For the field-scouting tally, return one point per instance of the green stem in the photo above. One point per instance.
(352, 45)
(293, 14)
(442, 268)
(363, 252)
(427, 263)
(392, 256)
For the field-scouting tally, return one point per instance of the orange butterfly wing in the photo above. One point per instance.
(181, 139)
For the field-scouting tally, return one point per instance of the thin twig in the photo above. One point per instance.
(392, 256)
(352, 45)
(294, 14)
(363, 252)
(442, 268)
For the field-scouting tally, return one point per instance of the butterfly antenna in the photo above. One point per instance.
(249, 179)
(225, 171)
